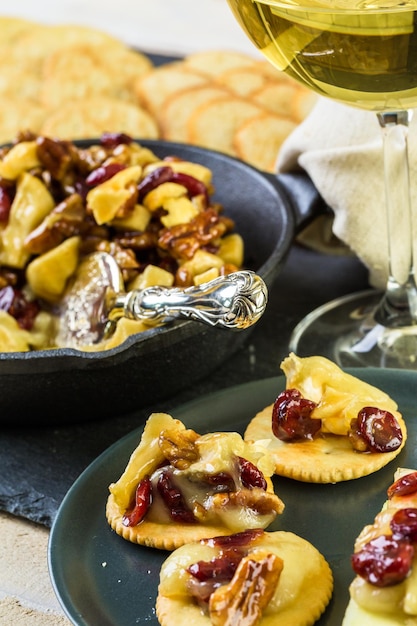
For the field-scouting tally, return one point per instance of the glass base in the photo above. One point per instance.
(344, 331)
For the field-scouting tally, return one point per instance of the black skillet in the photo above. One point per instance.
(66, 385)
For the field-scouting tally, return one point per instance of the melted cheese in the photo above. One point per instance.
(217, 453)
(292, 582)
(339, 396)
(400, 599)
(357, 616)
(209, 508)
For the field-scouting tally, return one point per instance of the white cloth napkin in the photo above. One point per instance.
(340, 147)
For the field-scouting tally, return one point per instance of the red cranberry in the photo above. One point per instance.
(379, 429)
(103, 173)
(112, 140)
(174, 499)
(143, 500)
(250, 475)
(384, 561)
(404, 486)
(404, 524)
(291, 417)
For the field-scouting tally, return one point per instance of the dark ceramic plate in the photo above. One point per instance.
(102, 579)
(69, 385)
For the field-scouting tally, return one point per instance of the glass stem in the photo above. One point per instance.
(398, 307)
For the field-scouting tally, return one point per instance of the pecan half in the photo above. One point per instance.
(183, 240)
(243, 600)
(178, 447)
(65, 220)
(263, 502)
(55, 156)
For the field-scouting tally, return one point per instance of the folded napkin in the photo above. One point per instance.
(341, 149)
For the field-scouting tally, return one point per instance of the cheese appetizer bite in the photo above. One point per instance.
(180, 486)
(251, 578)
(328, 426)
(384, 592)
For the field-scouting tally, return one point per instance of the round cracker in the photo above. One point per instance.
(243, 81)
(277, 97)
(12, 27)
(179, 107)
(311, 591)
(73, 73)
(19, 115)
(84, 70)
(41, 40)
(325, 459)
(93, 116)
(259, 139)
(214, 62)
(213, 124)
(153, 88)
(18, 82)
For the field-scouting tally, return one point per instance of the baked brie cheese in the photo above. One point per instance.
(384, 592)
(327, 425)
(180, 486)
(251, 578)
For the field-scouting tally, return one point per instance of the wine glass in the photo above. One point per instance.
(361, 53)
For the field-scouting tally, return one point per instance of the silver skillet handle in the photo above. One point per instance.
(235, 301)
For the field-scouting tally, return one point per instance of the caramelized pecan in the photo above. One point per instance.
(55, 156)
(183, 240)
(178, 447)
(243, 600)
(67, 219)
(263, 502)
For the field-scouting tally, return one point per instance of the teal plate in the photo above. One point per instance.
(102, 580)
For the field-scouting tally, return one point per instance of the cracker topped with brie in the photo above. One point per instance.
(180, 486)
(253, 578)
(384, 560)
(327, 425)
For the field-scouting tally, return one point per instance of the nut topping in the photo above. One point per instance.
(243, 600)
(179, 447)
(263, 502)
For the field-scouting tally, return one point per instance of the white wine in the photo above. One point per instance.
(360, 54)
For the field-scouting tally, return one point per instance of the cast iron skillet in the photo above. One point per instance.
(66, 385)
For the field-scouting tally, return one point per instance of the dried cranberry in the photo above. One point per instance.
(404, 486)
(222, 482)
(404, 524)
(143, 499)
(166, 174)
(202, 590)
(209, 575)
(153, 180)
(194, 186)
(291, 417)
(112, 140)
(243, 538)
(174, 499)
(250, 475)
(379, 429)
(384, 561)
(218, 568)
(5, 205)
(14, 302)
(103, 173)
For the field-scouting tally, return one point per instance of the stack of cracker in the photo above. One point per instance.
(72, 82)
